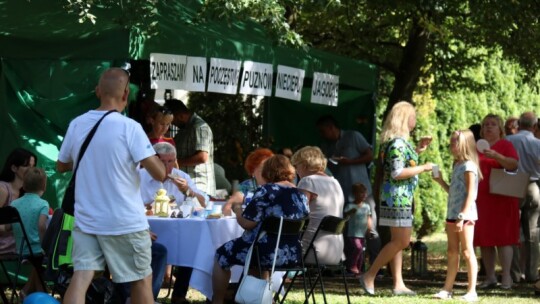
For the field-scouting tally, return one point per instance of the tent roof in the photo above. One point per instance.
(50, 63)
(41, 29)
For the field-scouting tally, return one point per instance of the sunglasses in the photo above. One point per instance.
(126, 67)
(164, 110)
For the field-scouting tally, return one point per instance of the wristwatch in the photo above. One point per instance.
(461, 216)
(188, 192)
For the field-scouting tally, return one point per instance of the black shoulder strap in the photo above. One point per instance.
(88, 139)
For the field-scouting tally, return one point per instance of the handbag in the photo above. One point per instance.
(507, 183)
(68, 203)
(253, 290)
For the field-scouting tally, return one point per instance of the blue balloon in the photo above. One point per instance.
(40, 298)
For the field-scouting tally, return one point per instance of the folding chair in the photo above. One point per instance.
(332, 225)
(290, 228)
(4, 258)
(10, 215)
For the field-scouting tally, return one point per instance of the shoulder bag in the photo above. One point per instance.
(253, 290)
(68, 203)
(508, 183)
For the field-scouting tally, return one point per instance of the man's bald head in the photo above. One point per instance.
(112, 84)
(527, 121)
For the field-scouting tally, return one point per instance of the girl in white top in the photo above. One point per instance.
(325, 197)
(461, 213)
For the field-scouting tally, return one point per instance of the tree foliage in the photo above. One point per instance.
(137, 15)
(507, 90)
(236, 124)
(407, 39)
(456, 60)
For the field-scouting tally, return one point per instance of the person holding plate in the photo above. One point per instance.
(498, 216)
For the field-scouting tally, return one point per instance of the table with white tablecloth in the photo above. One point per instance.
(192, 242)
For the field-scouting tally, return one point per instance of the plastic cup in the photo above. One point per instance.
(435, 171)
(217, 209)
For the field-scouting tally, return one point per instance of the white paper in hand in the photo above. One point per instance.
(482, 145)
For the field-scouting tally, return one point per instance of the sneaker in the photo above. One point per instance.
(443, 295)
(470, 297)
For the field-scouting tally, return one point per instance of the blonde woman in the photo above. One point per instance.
(461, 212)
(400, 179)
(325, 197)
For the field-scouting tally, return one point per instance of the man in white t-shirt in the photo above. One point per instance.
(110, 225)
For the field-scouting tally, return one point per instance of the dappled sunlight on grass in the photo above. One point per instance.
(426, 286)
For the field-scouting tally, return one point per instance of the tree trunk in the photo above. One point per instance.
(414, 55)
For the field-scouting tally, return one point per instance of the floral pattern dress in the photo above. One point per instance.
(397, 195)
(269, 200)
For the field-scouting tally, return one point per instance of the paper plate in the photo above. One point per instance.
(481, 145)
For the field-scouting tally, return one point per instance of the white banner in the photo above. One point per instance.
(289, 82)
(223, 76)
(196, 74)
(256, 79)
(325, 89)
(167, 71)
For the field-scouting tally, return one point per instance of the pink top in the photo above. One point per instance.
(7, 242)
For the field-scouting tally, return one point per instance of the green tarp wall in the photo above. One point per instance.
(50, 63)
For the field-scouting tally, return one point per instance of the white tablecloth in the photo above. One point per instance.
(193, 243)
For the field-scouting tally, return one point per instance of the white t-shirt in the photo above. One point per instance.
(107, 196)
(149, 187)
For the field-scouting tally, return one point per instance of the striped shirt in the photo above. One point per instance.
(197, 136)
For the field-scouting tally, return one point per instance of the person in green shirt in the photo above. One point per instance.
(34, 212)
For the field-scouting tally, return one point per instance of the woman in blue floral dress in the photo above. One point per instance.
(279, 197)
(401, 170)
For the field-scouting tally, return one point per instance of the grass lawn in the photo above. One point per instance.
(425, 287)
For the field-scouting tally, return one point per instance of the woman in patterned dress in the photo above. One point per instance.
(278, 197)
(401, 170)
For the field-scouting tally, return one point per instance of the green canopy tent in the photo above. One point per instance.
(50, 63)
